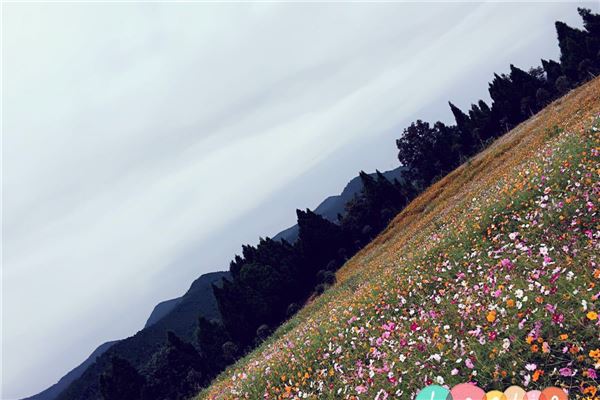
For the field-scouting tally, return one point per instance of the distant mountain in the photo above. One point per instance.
(53, 391)
(161, 310)
(179, 315)
(334, 205)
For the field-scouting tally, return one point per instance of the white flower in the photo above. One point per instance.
(519, 293)
(531, 367)
(570, 275)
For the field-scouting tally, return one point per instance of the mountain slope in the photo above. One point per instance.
(198, 301)
(334, 205)
(162, 309)
(53, 391)
(159, 311)
(492, 268)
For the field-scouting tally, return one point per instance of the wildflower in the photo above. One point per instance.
(506, 263)
(592, 315)
(469, 363)
(491, 316)
(566, 371)
(545, 347)
(531, 367)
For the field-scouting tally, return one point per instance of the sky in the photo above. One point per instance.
(144, 143)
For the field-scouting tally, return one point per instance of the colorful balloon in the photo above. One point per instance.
(467, 391)
(533, 395)
(434, 392)
(515, 393)
(554, 393)
(495, 395)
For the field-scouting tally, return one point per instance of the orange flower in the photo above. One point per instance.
(491, 317)
(535, 348)
(510, 303)
(536, 375)
(529, 339)
(592, 315)
(564, 336)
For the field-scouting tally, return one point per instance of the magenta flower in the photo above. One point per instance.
(566, 372)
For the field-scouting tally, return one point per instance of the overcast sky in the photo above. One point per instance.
(144, 143)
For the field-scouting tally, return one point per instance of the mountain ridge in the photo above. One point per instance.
(335, 204)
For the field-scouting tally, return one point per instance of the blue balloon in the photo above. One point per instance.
(434, 392)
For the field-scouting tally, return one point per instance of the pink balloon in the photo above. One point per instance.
(533, 395)
(467, 391)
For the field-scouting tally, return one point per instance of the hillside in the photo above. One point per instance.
(490, 276)
(138, 349)
(159, 311)
(162, 309)
(334, 205)
(53, 391)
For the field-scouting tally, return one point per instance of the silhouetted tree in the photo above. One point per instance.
(121, 381)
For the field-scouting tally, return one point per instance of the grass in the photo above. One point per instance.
(490, 276)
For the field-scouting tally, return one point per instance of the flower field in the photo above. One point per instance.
(491, 276)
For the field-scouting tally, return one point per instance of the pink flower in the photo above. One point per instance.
(360, 389)
(592, 373)
(469, 363)
(566, 371)
(506, 263)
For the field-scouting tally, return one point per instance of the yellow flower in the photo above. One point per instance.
(529, 339)
(491, 317)
(592, 315)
